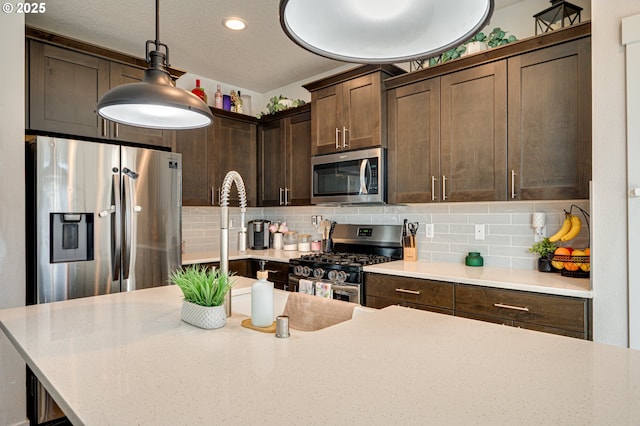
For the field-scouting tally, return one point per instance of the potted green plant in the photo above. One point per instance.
(545, 249)
(204, 291)
(497, 37)
(281, 103)
(476, 44)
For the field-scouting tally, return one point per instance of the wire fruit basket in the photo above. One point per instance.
(572, 266)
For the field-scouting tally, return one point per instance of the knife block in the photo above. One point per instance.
(410, 248)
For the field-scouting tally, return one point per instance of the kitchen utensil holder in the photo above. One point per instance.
(410, 249)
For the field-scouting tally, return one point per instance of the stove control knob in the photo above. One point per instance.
(297, 270)
(332, 275)
(318, 273)
(342, 276)
(306, 271)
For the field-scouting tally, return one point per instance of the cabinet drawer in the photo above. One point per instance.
(530, 309)
(381, 302)
(404, 290)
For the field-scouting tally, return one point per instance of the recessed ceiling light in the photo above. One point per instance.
(236, 24)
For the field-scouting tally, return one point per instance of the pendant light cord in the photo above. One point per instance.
(156, 42)
(157, 24)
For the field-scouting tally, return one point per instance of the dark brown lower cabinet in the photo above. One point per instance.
(278, 273)
(239, 267)
(566, 316)
(385, 290)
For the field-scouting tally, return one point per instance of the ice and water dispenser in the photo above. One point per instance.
(71, 237)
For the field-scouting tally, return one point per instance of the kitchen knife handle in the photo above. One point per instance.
(404, 290)
(513, 184)
(344, 137)
(444, 188)
(515, 308)
(337, 138)
(433, 188)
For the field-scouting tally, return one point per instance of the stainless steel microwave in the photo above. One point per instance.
(349, 177)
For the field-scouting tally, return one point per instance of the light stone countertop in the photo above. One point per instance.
(490, 276)
(128, 359)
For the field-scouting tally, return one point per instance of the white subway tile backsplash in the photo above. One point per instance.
(508, 231)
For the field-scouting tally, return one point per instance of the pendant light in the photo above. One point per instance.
(155, 102)
(382, 31)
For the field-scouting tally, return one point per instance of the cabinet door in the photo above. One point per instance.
(272, 164)
(550, 122)
(235, 143)
(298, 149)
(124, 74)
(194, 146)
(65, 87)
(326, 118)
(414, 142)
(362, 112)
(473, 142)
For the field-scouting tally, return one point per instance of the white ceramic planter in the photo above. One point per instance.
(207, 317)
(475, 47)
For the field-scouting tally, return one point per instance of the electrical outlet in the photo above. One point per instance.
(316, 219)
(428, 230)
(479, 233)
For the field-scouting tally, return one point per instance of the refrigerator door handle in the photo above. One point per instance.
(116, 225)
(127, 211)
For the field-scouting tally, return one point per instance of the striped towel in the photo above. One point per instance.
(305, 286)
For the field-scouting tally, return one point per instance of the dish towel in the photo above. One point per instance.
(305, 286)
(324, 290)
(310, 313)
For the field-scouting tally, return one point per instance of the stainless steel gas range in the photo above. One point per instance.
(354, 247)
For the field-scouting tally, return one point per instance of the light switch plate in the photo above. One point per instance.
(479, 233)
(428, 230)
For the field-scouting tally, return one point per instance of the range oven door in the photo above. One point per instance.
(347, 292)
(349, 177)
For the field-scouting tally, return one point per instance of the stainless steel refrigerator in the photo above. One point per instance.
(101, 219)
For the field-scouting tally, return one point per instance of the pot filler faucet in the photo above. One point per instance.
(231, 177)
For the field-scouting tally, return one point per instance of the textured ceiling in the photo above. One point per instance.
(261, 58)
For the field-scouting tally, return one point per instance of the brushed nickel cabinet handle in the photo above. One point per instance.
(433, 188)
(213, 196)
(117, 130)
(286, 196)
(444, 188)
(404, 290)
(513, 184)
(104, 127)
(515, 308)
(344, 137)
(337, 138)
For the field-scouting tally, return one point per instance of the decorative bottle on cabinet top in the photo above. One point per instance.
(262, 299)
(199, 92)
(218, 98)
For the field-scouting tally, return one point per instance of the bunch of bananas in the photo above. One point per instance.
(569, 230)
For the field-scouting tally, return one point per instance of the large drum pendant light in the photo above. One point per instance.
(382, 31)
(155, 102)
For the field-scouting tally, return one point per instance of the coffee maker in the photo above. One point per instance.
(258, 231)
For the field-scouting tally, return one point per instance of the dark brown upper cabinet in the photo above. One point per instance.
(209, 153)
(64, 89)
(348, 110)
(511, 123)
(550, 122)
(284, 159)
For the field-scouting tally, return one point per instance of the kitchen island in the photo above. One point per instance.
(127, 358)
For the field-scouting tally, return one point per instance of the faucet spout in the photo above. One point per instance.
(230, 178)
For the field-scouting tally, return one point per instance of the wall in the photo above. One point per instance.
(12, 225)
(609, 197)
(508, 230)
